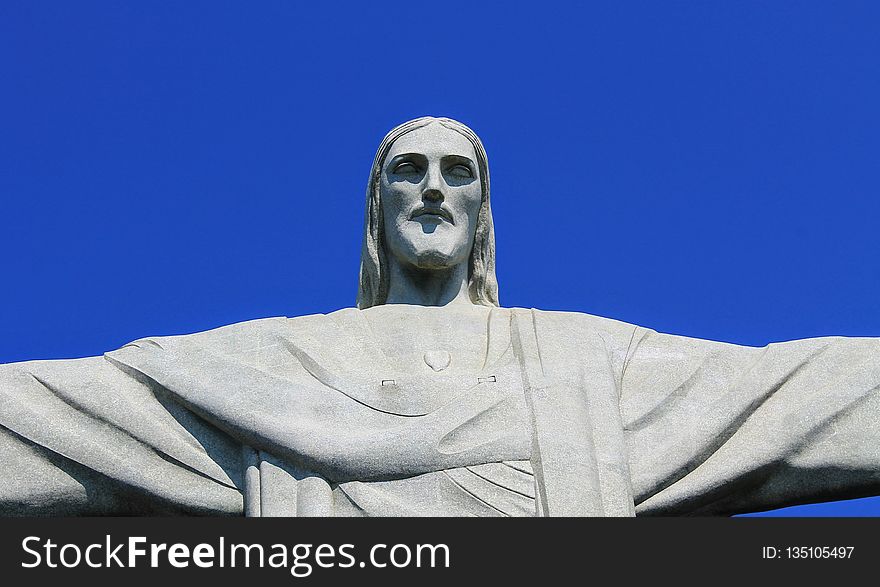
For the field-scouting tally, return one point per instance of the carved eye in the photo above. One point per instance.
(405, 168)
(460, 171)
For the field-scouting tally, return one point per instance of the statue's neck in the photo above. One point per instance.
(427, 287)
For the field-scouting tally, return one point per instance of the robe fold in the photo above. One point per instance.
(571, 415)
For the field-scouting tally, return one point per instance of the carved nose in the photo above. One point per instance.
(432, 195)
(432, 192)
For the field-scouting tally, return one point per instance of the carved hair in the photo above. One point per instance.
(482, 284)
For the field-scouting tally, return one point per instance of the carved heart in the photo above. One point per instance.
(437, 360)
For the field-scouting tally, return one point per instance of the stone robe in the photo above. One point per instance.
(571, 415)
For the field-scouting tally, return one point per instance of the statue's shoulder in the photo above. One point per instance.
(581, 322)
(250, 334)
(237, 330)
(327, 328)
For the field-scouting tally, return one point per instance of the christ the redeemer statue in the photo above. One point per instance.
(431, 399)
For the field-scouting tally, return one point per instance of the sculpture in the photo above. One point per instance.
(430, 399)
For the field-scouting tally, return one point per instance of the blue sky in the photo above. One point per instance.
(707, 169)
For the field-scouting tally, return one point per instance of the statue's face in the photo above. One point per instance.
(431, 195)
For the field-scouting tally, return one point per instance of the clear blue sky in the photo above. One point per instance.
(702, 168)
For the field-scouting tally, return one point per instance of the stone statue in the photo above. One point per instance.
(431, 399)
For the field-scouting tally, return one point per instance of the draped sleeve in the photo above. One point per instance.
(86, 436)
(714, 428)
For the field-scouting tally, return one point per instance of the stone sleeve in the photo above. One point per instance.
(716, 429)
(84, 436)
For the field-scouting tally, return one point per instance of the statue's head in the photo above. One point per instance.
(428, 208)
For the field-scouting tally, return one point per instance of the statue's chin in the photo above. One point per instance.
(435, 252)
(433, 260)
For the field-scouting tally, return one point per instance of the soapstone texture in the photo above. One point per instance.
(429, 399)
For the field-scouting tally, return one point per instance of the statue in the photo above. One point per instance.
(431, 399)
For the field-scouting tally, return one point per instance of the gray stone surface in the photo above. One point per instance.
(430, 399)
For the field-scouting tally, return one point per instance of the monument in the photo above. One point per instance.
(429, 398)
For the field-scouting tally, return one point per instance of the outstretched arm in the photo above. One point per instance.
(715, 428)
(84, 436)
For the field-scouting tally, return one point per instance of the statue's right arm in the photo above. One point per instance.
(89, 437)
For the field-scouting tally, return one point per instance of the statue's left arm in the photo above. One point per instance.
(715, 428)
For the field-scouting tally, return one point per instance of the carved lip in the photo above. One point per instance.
(433, 212)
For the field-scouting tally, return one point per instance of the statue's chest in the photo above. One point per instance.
(416, 388)
(410, 365)
(417, 351)
(336, 401)
(369, 413)
(419, 340)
